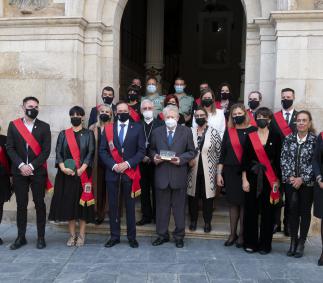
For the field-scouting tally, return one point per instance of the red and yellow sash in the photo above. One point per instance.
(87, 193)
(263, 159)
(216, 103)
(133, 174)
(251, 118)
(33, 144)
(133, 114)
(161, 116)
(235, 142)
(4, 160)
(282, 124)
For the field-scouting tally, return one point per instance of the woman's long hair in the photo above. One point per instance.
(204, 92)
(246, 123)
(309, 115)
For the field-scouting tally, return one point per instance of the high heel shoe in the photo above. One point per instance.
(229, 242)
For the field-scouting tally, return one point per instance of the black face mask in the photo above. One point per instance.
(253, 104)
(262, 123)
(207, 102)
(239, 119)
(225, 95)
(133, 97)
(76, 121)
(123, 117)
(107, 100)
(31, 113)
(200, 121)
(287, 103)
(105, 117)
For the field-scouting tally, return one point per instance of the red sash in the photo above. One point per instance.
(252, 118)
(4, 160)
(87, 194)
(216, 103)
(235, 142)
(133, 174)
(133, 114)
(322, 135)
(33, 144)
(263, 159)
(282, 124)
(161, 116)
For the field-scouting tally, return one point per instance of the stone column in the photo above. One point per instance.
(155, 38)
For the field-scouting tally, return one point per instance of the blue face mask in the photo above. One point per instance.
(179, 88)
(151, 88)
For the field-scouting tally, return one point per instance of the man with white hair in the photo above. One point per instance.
(147, 168)
(171, 149)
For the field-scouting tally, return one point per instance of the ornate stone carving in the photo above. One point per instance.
(28, 6)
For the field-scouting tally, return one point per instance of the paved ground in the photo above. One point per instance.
(199, 261)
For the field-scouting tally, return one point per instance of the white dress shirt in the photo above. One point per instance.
(216, 121)
(290, 114)
(125, 130)
(30, 127)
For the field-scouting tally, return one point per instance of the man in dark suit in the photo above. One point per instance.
(107, 98)
(147, 168)
(171, 176)
(122, 149)
(284, 122)
(28, 168)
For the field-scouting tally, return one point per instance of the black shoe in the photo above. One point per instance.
(239, 245)
(249, 250)
(133, 244)
(264, 252)
(300, 249)
(111, 243)
(143, 221)
(1, 242)
(99, 221)
(292, 248)
(179, 243)
(229, 242)
(160, 241)
(320, 261)
(19, 242)
(192, 226)
(41, 244)
(207, 228)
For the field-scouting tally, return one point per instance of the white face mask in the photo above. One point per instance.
(151, 88)
(148, 114)
(170, 123)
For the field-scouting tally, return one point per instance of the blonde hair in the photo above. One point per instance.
(246, 123)
(99, 123)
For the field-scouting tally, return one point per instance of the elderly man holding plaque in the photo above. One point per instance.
(171, 149)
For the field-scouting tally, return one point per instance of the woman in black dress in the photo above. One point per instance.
(318, 189)
(256, 186)
(229, 170)
(298, 176)
(66, 204)
(5, 185)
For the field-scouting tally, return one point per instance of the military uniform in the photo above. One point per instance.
(185, 104)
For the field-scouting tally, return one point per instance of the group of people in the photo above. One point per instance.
(169, 149)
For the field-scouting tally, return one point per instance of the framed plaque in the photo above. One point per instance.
(167, 155)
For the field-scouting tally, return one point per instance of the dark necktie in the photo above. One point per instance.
(170, 138)
(287, 117)
(121, 134)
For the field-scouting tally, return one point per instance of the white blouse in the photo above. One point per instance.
(215, 120)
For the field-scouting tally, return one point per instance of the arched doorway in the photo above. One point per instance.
(203, 40)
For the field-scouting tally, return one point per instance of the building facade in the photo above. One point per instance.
(65, 51)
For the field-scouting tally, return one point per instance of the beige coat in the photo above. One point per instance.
(210, 159)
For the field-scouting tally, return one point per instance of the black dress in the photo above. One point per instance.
(5, 186)
(65, 205)
(232, 167)
(258, 202)
(318, 170)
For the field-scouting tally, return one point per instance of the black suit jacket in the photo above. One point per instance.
(292, 124)
(17, 148)
(166, 173)
(133, 149)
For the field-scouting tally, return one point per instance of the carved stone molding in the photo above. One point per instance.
(318, 4)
